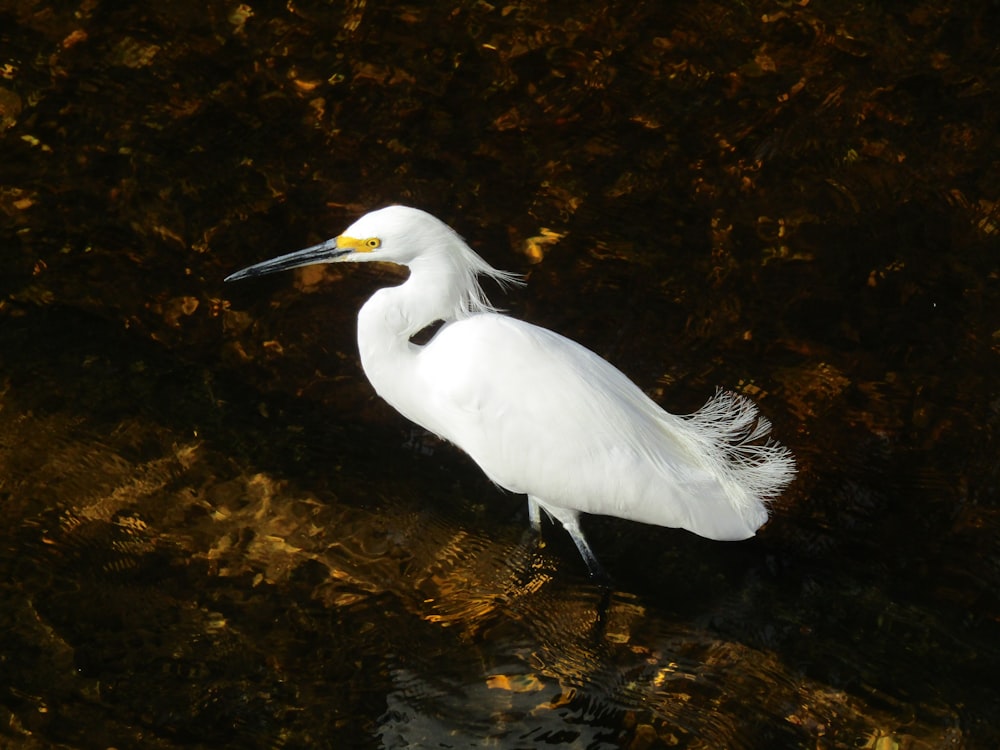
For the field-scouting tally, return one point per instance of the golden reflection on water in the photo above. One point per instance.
(159, 563)
(133, 520)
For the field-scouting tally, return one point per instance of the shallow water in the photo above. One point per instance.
(217, 536)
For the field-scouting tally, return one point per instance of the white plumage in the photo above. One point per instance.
(541, 414)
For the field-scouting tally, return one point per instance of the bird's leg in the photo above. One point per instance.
(535, 518)
(570, 521)
(534, 514)
(595, 568)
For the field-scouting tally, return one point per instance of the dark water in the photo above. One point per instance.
(216, 536)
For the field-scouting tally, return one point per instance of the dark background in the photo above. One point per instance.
(215, 535)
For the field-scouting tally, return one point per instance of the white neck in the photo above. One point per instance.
(442, 286)
(392, 316)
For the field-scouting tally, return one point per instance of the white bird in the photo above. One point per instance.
(540, 414)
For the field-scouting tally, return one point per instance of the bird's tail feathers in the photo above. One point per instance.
(744, 456)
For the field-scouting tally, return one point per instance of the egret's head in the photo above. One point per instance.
(396, 234)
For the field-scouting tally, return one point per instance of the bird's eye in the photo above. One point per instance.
(373, 242)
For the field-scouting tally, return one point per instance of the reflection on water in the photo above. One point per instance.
(215, 536)
(162, 591)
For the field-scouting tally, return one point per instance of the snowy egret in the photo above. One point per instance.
(542, 415)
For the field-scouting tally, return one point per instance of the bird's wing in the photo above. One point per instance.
(543, 414)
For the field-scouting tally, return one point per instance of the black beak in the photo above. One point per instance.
(324, 252)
